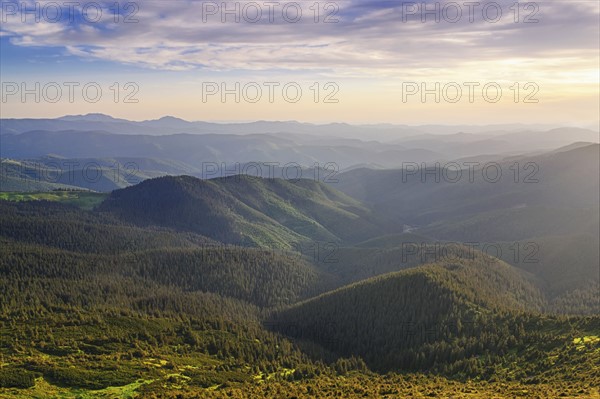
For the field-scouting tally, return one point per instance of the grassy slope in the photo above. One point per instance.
(82, 199)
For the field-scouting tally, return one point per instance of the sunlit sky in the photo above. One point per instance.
(354, 61)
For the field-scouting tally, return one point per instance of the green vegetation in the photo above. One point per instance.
(96, 174)
(83, 199)
(181, 288)
(549, 226)
(463, 318)
(245, 210)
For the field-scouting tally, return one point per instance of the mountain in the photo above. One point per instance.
(565, 179)
(461, 144)
(552, 138)
(574, 146)
(201, 151)
(22, 177)
(375, 257)
(566, 266)
(95, 174)
(144, 294)
(437, 317)
(51, 240)
(93, 117)
(544, 220)
(173, 125)
(517, 223)
(299, 280)
(245, 210)
(232, 146)
(169, 125)
(122, 300)
(59, 226)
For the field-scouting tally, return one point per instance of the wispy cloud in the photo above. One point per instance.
(368, 37)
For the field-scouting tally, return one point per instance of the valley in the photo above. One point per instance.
(184, 287)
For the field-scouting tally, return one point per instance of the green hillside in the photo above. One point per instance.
(563, 180)
(548, 225)
(50, 240)
(96, 174)
(244, 210)
(566, 266)
(456, 318)
(83, 199)
(182, 288)
(516, 224)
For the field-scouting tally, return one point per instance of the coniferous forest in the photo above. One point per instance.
(268, 288)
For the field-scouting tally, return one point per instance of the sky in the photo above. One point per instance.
(354, 61)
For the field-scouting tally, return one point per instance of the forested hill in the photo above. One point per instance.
(145, 289)
(438, 317)
(542, 212)
(561, 180)
(245, 210)
(67, 256)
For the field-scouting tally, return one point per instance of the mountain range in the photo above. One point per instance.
(446, 269)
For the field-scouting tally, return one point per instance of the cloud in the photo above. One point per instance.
(369, 37)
